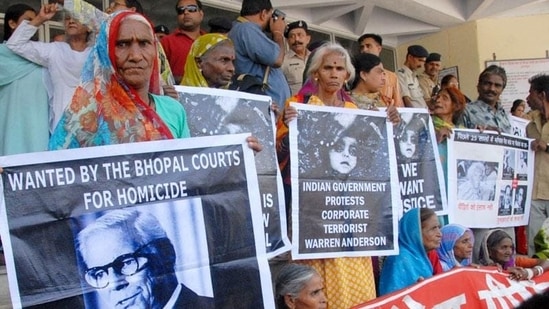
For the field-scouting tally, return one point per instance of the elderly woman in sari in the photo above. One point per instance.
(90, 15)
(299, 287)
(497, 249)
(117, 100)
(210, 63)
(456, 249)
(348, 281)
(419, 234)
(449, 105)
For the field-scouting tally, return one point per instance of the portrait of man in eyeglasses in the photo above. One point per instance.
(128, 259)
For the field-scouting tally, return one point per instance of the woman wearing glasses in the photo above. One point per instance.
(178, 43)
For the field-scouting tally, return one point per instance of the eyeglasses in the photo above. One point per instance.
(191, 8)
(126, 264)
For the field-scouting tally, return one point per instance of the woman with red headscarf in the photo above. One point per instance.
(118, 98)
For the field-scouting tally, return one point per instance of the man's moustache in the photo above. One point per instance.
(297, 43)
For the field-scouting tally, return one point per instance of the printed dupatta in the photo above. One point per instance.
(104, 110)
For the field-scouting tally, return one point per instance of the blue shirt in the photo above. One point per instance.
(480, 113)
(254, 52)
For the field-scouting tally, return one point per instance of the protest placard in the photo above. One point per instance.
(420, 174)
(167, 223)
(490, 179)
(215, 112)
(342, 166)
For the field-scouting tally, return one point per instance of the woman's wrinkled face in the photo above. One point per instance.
(343, 155)
(312, 295)
(332, 73)
(218, 65)
(135, 53)
(443, 105)
(463, 248)
(430, 233)
(502, 252)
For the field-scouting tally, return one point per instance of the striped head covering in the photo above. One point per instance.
(450, 234)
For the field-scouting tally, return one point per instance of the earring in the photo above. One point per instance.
(316, 78)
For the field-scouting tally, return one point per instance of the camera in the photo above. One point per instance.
(278, 13)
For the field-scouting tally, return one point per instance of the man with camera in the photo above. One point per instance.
(256, 53)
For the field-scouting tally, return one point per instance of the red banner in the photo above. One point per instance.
(463, 288)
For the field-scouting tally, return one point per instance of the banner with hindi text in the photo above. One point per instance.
(477, 288)
(489, 179)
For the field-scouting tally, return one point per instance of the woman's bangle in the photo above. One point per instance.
(539, 269)
(530, 273)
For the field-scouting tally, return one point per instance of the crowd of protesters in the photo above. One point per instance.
(111, 81)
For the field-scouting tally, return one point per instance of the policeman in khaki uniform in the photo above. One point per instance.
(412, 96)
(298, 38)
(428, 80)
